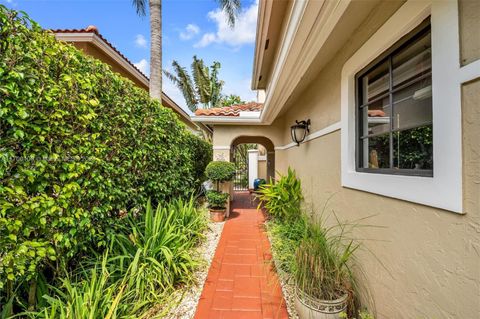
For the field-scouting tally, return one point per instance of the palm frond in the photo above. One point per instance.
(216, 85)
(140, 6)
(185, 84)
(201, 79)
(231, 9)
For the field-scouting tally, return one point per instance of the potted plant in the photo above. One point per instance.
(218, 172)
(323, 280)
(217, 204)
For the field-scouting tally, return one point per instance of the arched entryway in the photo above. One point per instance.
(266, 146)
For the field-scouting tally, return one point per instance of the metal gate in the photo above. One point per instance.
(240, 158)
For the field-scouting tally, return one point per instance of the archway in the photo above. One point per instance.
(266, 144)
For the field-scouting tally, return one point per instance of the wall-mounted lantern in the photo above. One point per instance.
(299, 131)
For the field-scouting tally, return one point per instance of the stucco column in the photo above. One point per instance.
(252, 167)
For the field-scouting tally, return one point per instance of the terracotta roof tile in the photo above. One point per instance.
(233, 110)
(93, 29)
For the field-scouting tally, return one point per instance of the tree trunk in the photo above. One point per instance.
(156, 49)
(32, 294)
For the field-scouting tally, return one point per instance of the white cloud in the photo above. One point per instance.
(140, 41)
(190, 31)
(143, 66)
(243, 32)
(206, 39)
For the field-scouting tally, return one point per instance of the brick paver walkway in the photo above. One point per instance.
(241, 282)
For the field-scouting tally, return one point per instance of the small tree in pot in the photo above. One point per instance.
(218, 172)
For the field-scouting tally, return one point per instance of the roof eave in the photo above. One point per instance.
(264, 10)
(226, 120)
(93, 38)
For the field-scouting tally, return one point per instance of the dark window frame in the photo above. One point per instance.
(404, 42)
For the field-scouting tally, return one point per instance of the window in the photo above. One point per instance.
(394, 108)
(436, 181)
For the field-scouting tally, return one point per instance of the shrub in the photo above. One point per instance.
(217, 200)
(220, 171)
(283, 198)
(79, 145)
(202, 154)
(285, 238)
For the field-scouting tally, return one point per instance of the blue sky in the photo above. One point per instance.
(189, 27)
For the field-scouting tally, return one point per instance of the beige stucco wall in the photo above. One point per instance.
(262, 169)
(420, 262)
(469, 11)
(225, 134)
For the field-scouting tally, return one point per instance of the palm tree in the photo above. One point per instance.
(230, 7)
(202, 87)
(155, 7)
(232, 99)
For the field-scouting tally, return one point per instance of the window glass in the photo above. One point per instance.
(395, 109)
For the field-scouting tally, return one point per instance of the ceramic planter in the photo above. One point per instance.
(313, 308)
(217, 215)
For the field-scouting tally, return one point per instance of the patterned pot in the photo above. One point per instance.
(312, 308)
(217, 215)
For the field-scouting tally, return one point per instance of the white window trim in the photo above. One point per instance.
(444, 189)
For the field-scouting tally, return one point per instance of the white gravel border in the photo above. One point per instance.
(187, 299)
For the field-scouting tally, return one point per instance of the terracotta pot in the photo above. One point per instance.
(313, 308)
(217, 215)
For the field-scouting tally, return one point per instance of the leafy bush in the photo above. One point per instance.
(217, 200)
(202, 155)
(283, 198)
(79, 146)
(284, 239)
(220, 171)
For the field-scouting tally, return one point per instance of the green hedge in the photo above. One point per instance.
(79, 146)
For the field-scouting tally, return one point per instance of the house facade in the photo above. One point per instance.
(392, 92)
(92, 43)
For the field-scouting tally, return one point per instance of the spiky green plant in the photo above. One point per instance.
(149, 257)
(282, 198)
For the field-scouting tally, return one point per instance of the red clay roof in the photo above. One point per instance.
(93, 29)
(233, 110)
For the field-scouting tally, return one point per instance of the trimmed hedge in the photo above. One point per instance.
(220, 171)
(79, 146)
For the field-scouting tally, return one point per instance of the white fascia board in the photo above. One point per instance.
(236, 120)
(250, 115)
(287, 41)
(264, 13)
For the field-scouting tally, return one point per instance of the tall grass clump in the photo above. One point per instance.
(323, 261)
(145, 262)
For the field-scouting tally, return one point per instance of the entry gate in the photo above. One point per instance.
(240, 158)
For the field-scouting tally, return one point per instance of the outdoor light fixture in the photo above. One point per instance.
(299, 131)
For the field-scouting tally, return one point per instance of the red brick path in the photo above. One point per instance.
(241, 282)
